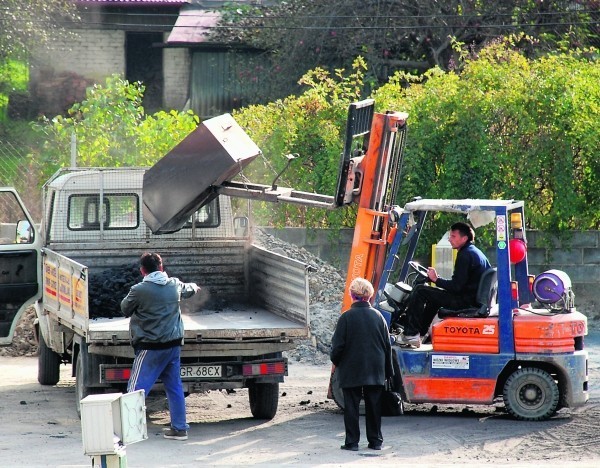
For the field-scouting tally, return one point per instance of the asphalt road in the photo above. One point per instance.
(40, 429)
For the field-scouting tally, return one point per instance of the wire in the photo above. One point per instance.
(321, 28)
(210, 13)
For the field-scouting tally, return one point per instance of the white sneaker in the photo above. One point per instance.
(408, 340)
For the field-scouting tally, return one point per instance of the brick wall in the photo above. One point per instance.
(94, 54)
(97, 54)
(176, 70)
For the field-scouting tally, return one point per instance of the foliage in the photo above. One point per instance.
(25, 23)
(14, 76)
(111, 129)
(309, 125)
(507, 127)
(409, 35)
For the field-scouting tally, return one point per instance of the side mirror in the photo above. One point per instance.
(24, 234)
(241, 225)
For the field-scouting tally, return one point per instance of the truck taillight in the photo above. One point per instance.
(514, 290)
(265, 368)
(116, 374)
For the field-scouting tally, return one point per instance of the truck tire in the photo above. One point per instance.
(531, 394)
(264, 398)
(81, 389)
(48, 364)
(336, 390)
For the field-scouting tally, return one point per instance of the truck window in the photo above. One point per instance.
(206, 217)
(119, 211)
(10, 215)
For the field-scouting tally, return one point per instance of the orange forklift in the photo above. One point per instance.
(524, 342)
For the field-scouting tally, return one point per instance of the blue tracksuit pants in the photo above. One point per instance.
(164, 364)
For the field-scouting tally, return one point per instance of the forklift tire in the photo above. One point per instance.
(48, 364)
(531, 394)
(338, 394)
(264, 399)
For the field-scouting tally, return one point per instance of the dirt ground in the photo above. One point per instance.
(40, 428)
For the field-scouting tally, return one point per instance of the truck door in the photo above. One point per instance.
(19, 262)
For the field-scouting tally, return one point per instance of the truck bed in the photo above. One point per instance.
(251, 322)
(259, 296)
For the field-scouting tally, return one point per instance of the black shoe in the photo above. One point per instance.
(374, 447)
(353, 448)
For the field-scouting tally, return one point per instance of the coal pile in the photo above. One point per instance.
(107, 289)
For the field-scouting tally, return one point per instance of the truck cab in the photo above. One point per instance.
(19, 259)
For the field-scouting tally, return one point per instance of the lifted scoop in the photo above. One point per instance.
(182, 181)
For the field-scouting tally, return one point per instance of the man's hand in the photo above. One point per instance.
(432, 274)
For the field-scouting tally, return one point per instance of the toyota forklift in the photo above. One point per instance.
(522, 344)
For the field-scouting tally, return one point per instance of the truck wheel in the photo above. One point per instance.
(264, 398)
(531, 394)
(48, 364)
(336, 390)
(82, 390)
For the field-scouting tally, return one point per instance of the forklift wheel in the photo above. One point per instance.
(531, 394)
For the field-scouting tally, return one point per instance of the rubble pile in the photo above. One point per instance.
(24, 343)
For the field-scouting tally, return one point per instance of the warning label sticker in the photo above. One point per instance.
(441, 361)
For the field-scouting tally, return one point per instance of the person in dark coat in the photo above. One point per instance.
(362, 354)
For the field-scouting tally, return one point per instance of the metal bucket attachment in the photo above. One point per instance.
(181, 182)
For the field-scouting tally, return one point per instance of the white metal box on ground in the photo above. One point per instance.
(111, 420)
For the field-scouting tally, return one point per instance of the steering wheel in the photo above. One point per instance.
(420, 269)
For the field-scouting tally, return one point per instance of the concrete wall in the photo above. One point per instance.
(578, 256)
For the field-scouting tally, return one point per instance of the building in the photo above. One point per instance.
(165, 44)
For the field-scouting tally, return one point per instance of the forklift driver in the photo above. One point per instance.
(455, 293)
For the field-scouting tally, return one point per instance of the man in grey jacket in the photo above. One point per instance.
(156, 330)
(362, 354)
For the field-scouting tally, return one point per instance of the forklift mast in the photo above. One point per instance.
(369, 176)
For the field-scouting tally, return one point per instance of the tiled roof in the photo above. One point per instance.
(193, 26)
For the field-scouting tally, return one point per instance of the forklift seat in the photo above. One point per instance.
(486, 298)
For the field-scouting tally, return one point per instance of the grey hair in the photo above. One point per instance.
(361, 289)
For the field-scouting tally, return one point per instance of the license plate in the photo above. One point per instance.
(206, 372)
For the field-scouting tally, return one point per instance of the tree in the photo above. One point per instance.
(408, 35)
(507, 127)
(25, 23)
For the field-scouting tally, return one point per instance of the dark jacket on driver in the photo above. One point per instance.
(470, 264)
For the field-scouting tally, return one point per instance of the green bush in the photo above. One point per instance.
(112, 129)
(14, 76)
(310, 125)
(507, 127)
